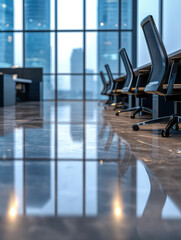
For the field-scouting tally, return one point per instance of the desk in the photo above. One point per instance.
(160, 107)
(35, 75)
(7, 90)
(165, 86)
(22, 80)
(175, 86)
(147, 66)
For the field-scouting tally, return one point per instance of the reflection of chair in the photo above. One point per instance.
(127, 157)
(153, 210)
(134, 85)
(162, 72)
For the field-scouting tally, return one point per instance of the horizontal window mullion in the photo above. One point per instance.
(64, 31)
(75, 74)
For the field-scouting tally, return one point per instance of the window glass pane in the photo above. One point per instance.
(126, 42)
(145, 8)
(48, 87)
(70, 14)
(42, 53)
(70, 87)
(171, 28)
(94, 87)
(39, 14)
(102, 14)
(11, 45)
(11, 13)
(91, 53)
(101, 49)
(126, 14)
(70, 53)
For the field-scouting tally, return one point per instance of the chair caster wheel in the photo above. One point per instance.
(105, 108)
(136, 127)
(176, 127)
(117, 114)
(132, 116)
(165, 133)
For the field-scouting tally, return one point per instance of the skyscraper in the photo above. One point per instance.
(38, 44)
(107, 41)
(6, 39)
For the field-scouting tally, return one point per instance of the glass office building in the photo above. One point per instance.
(71, 42)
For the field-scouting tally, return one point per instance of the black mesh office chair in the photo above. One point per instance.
(134, 85)
(163, 71)
(111, 79)
(113, 88)
(105, 84)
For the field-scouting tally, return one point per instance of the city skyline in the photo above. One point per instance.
(101, 47)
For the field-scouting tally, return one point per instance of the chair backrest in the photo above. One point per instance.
(159, 59)
(129, 71)
(104, 82)
(110, 76)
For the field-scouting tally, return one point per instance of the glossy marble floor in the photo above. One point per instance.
(71, 170)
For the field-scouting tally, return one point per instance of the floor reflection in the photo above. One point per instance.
(72, 160)
(71, 188)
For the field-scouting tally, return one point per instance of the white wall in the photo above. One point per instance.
(171, 25)
(146, 8)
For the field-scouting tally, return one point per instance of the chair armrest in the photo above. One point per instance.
(172, 77)
(144, 71)
(176, 58)
(120, 79)
(138, 81)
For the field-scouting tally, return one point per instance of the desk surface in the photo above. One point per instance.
(22, 80)
(165, 86)
(147, 66)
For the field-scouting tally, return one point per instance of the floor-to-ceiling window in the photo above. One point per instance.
(71, 40)
(145, 8)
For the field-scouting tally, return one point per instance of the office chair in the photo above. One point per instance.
(106, 87)
(134, 85)
(112, 90)
(162, 76)
(111, 79)
(105, 84)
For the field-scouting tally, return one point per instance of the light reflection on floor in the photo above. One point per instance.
(73, 160)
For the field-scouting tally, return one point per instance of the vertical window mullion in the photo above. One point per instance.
(24, 47)
(161, 17)
(56, 50)
(84, 50)
(119, 36)
(134, 33)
